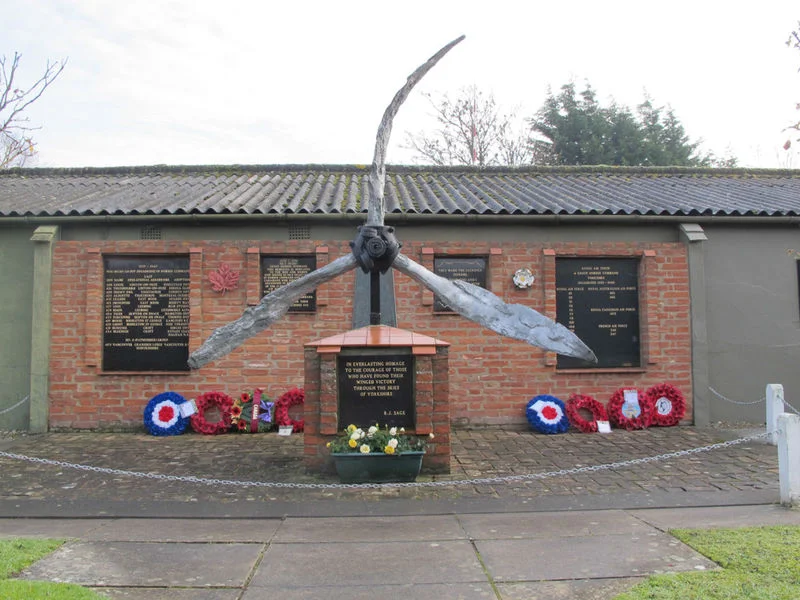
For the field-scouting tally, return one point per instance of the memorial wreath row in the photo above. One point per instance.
(212, 413)
(628, 408)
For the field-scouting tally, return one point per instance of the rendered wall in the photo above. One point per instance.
(753, 317)
(491, 378)
(16, 288)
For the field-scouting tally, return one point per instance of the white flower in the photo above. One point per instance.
(360, 433)
(373, 430)
(402, 430)
(393, 431)
(364, 449)
(392, 442)
(355, 435)
(431, 436)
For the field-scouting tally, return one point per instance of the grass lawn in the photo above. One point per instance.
(15, 555)
(759, 563)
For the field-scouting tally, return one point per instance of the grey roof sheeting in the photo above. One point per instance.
(331, 190)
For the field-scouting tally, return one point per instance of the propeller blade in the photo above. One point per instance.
(511, 320)
(271, 308)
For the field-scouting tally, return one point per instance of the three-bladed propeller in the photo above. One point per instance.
(375, 250)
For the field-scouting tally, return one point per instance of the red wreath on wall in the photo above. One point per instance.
(614, 410)
(208, 400)
(291, 398)
(668, 403)
(578, 402)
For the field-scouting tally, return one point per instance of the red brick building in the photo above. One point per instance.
(509, 219)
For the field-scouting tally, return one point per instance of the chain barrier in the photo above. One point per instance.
(721, 397)
(415, 484)
(763, 399)
(10, 408)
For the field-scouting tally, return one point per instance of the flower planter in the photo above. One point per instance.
(354, 467)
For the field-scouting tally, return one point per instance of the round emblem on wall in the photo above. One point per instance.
(523, 278)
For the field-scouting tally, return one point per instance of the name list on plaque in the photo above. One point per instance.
(277, 271)
(471, 269)
(376, 389)
(598, 299)
(146, 313)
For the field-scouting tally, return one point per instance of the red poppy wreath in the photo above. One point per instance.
(628, 411)
(291, 398)
(669, 405)
(578, 403)
(221, 401)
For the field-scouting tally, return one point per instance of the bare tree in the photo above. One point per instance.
(794, 42)
(16, 141)
(471, 131)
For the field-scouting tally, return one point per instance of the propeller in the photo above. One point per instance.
(375, 249)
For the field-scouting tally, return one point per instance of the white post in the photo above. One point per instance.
(789, 458)
(774, 408)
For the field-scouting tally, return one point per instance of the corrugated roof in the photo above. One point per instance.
(331, 189)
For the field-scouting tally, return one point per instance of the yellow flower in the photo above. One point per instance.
(328, 445)
(351, 428)
(364, 449)
(388, 450)
(352, 443)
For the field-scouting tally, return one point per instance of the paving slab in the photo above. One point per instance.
(588, 557)
(582, 589)
(719, 516)
(370, 529)
(116, 564)
(368, 563)
(49, 528)
(185, 530)
(169, 593)
(544, 525)
(450, 591)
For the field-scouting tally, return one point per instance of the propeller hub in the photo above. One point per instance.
(375, 248)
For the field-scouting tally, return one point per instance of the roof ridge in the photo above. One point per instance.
(344, 168)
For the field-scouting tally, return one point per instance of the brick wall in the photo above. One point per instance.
(491, 378)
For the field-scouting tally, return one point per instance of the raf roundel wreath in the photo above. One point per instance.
(547, 414)
(629, 414)
(579, 402)
(162, 415)
(223, 403)
(291, 398)
(669, 405)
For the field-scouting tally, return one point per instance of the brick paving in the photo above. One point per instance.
(476, 453)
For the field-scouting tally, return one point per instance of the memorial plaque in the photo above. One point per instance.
(598, 299)
(471, 269)
(376, 389)
(146, 313)
(277, 271)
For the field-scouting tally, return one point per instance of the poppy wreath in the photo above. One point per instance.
(208, 400)
(162, 415)
(547, 414)
(615, 414)
(291, 398)
(669, 405)
(579, 402)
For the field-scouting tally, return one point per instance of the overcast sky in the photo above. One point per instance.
(198, 82)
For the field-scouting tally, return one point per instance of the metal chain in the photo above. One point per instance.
(10, 408)
(785, 403)
(718, 395)
(319, 486)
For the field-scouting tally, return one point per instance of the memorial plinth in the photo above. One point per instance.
(377, 375)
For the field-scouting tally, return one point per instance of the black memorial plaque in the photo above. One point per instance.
(277, 271)
(146, 313)
(376, 389)
(471, 269)
(598, 299)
